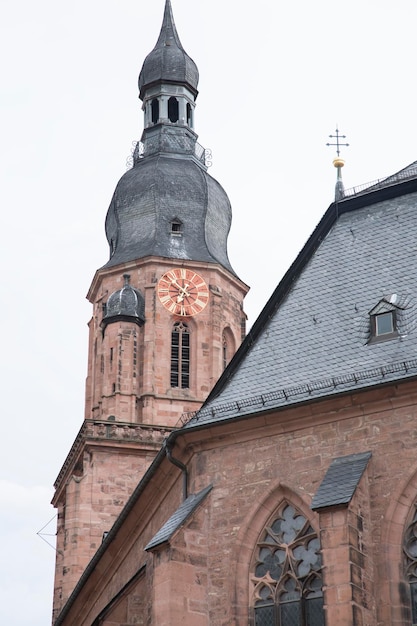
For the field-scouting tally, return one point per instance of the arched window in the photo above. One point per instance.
(189, 115)
(228, 347)
(225, 352)
(173, 109)
(410, 550)
(180, 356)
(155, 111)
(286, 572)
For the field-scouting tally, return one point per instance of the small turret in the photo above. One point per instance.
(125, 304)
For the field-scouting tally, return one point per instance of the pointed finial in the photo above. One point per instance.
(338, 163)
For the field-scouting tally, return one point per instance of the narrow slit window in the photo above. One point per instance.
(155, 111)
(189, 115)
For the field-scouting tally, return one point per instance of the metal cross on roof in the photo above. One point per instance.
(337, 136)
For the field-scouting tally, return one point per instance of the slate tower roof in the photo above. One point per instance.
(168, 61)
(167, 205)
(321, 333)
(126, 303)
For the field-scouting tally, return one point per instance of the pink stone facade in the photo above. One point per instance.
(129, 367)
(204, 574)
(130, 405)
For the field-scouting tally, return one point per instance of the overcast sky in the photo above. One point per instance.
(275, 79)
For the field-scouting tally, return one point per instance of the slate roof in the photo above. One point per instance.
(168, 181)
(158, 190)
(341, 480)
(311, 339)
(125, 303)
(168, 62)
(178, 518)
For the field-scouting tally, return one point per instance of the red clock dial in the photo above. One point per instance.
(183, 292)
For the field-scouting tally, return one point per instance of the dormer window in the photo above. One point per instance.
(384, 323)
(383, 318)
(176, 227)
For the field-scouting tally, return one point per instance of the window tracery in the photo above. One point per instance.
(286, 573)
(410, 551)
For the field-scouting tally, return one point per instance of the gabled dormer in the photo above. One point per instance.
(384, 318)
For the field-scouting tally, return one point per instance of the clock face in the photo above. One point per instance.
(183, 292)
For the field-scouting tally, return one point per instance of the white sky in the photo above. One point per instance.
(275, 78)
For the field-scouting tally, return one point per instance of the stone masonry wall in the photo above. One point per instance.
(202, 576)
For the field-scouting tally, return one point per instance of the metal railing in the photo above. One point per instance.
(380, 183)
(138, 152)
(284, 396)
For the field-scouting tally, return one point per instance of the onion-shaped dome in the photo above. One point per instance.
(168, 62)
(172, 208)
(126, 304)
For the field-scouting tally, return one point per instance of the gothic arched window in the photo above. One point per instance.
(173, 109)
(228, 347)
(410, 549)
(180, 356)
(286, 573)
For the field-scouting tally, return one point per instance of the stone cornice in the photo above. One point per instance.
(107, 433)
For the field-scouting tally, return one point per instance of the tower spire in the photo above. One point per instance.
(168, 63)
(168, 32)
(338, 163)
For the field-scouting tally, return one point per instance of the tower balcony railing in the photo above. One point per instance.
(204, 155)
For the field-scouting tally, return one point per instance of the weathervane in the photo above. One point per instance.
(337, 136)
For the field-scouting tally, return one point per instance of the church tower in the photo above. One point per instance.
(167, 311)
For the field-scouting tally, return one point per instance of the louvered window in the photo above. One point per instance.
(180, 356)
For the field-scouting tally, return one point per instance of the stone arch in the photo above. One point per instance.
(395, 609)
(262, 510)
